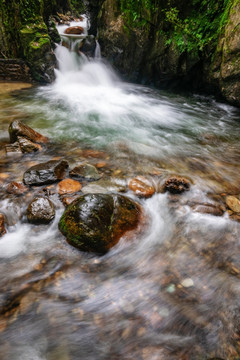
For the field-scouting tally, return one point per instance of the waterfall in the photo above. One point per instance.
(97, 54)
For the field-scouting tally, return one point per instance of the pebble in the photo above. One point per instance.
(188, 282)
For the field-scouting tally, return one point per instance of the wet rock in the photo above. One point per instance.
(75, 30)
(46, 173)
(13, 149)
(208, 209)
(142, 187)
(95, 222)
(16, 188)
(85, 171)
(177, 184)
(2, 225)
(235, 217)
(69, 186)
(88, 46)
(17, 128)
(104, 186)
(40, 211)
(28, 146)
(233, 203)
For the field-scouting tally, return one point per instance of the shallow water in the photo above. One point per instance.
(171, 293)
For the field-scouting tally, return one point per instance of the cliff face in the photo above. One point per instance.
(224, 71)
(151, 53)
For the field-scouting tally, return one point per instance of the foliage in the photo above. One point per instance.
(193, 26)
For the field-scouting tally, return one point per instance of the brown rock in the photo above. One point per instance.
(142, 187)
(28, 146)
(75, 30)
(69, 186)
(177, 184)
(46, 173)
(2, 225)
(101, 164)
(40, 211)
(17, 128)
(16, 188)
(208, 209)
(233, 203)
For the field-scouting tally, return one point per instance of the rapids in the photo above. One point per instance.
(172, 293)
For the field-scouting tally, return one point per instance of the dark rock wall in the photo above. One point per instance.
(142, 54)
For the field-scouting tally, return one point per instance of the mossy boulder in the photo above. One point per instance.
(96, 222)
(37, 50)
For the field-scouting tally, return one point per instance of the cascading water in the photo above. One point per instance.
(172, 293)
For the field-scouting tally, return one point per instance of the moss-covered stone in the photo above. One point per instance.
(96, 222)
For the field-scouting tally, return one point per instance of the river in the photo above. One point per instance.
(170, 293)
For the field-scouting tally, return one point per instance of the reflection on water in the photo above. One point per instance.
(171, 293)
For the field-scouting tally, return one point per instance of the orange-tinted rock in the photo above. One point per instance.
(101, 164)
(69, 186)
(16, 188)
(2, 225)
(142, 187)
(177, 184)
(17, 128)
(75, 30)
(233, 203)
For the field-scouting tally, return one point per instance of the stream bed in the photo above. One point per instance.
(170, 293)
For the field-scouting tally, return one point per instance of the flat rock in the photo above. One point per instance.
(17, 128)
(104, 186)
(96, 222)
(142, 187)
(46, 173)
(69, 186)
(2, 225)
(177, 184)
(40, 211)
(28, 146)
(233, 203)
(208, 209)
(76, 30)
(85, 171)
(16, 188)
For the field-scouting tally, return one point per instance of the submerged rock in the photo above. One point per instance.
(104, 186)
(17, 128)
(177, 184)
(69, 186)
(46, 173)
(40, 211)
(208, 209)
(2, 225)
(85, 171)
(96, 222)
(13, 149)
(142, 187)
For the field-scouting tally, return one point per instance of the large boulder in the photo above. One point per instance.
(40, 211)
(17, 129)
(96, 222)
(46, 173)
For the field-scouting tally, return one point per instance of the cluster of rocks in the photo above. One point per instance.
(96, 215)
(24, 139)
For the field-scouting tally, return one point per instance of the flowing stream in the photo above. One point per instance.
(171, 293)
